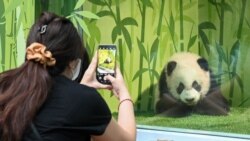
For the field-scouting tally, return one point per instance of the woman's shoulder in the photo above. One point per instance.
(64, 84)
(69, 95)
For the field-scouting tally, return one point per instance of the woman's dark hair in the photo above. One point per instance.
(23, 90)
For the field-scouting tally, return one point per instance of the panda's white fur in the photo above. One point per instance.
(187, 71)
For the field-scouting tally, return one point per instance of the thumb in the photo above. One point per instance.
(110, 78)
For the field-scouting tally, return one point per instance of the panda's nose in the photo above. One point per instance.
(189, 99)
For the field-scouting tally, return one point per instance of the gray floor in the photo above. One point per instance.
(152, 133)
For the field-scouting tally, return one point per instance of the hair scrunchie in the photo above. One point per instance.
(36, 52)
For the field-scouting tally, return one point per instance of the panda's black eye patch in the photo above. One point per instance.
(196, 86)
(180, 88)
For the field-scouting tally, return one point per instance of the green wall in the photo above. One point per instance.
(147, 33)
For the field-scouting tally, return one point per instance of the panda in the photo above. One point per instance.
(187, 86)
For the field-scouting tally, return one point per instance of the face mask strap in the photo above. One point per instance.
(77, 69)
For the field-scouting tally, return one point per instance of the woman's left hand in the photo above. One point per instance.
(89, 77)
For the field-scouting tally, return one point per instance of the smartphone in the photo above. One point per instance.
(106, 62)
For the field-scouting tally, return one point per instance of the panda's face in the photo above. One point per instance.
(187, 80)
(187, 87)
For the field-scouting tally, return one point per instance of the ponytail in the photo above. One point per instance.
(22, 92)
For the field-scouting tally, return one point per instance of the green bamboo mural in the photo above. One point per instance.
(143, 5)
(146, 33)
(120, 27)
(14, 28)
(10, 30)
(181, 26)
(2, 37)
(153, 58)
(227, 47)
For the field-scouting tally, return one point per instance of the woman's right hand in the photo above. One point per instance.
(125, 127)
(118, 85)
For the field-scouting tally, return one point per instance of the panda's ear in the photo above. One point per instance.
(170, 67)
(203, 63)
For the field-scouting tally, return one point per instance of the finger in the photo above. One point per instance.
(110, 78)
(118, 71)
(102, 86)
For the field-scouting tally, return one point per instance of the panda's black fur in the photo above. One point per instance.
(212, 103)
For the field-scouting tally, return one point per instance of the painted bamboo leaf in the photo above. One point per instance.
(234, 54)
(105, 13)
(79, 4)
(98, 2)
(207, 25)
(127, 38)
(221, 52)
(87, 14)
(142, 49)
(139, 73)
(205, 40)
(74, 21)
(115, 33)
(202, 34)
(192, 41)
(172, 25)
(129, 21)
(155, 74)
(227, 7)
(82, 24)
(154, 49)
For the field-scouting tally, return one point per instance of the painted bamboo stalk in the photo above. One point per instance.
(2, 37)
(237, 44)
(221, 34)
(181, 26)
(143, 24)
(242, 15)
(117, 4)
(8, 37)
(152, 76)
(131, 69)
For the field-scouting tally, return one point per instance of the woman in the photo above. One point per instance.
(40, 98)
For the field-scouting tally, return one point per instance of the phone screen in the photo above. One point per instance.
(106, 62)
